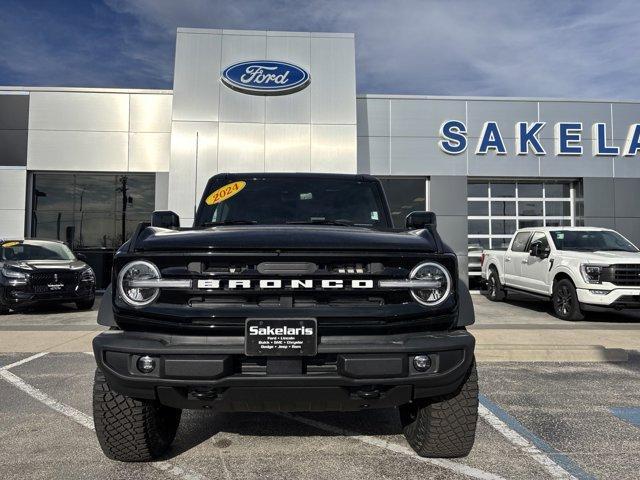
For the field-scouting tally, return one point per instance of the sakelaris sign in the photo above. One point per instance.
(265, 77)
(567, 139)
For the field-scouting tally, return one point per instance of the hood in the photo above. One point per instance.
(285, 237)
(31, 265)
(608, 257)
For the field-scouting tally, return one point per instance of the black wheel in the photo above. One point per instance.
(565, 301)
(128, 429)
(3, 308)
(444, 426)
(495, 292)
(86, 304)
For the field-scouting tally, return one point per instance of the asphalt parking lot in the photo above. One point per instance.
(537, 420)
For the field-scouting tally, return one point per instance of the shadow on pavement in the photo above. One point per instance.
(198, 426)
(542, 306)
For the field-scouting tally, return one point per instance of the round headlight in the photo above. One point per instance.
(441, 278)
(135, 295)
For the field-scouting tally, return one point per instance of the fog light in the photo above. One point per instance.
(146, 364)
(422, 363)
(599, 292)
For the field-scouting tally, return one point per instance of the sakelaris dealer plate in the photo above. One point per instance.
(292, 337)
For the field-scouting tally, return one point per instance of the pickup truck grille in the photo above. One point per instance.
(624, 275)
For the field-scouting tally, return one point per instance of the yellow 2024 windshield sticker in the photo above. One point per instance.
(10, 244)
(225, 192)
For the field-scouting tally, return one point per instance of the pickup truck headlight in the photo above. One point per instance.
(591, 273)
(440, 281)
(135, 283)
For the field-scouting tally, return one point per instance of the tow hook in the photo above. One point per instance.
(369, 393)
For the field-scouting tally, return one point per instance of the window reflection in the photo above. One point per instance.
(91, 210)
(405, 195)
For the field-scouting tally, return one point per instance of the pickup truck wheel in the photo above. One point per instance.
(129, 429)
(495, 292)
(444, 426)
(565, 301)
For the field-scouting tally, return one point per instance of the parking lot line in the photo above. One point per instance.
(628, 414)
(24, 360)
(557, 464)
(80, 417)
(378, 442)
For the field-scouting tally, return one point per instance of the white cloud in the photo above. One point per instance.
(544, 48)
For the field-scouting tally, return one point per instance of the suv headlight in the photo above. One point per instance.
(139, 272)
(19, 278)
(88, 275)
(591, 273)
(437, 276)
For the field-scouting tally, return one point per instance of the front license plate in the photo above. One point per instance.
(276, 337)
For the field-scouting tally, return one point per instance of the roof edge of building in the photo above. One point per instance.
(26, 89)
(492, 99)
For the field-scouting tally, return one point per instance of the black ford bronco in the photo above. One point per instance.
(291, 292)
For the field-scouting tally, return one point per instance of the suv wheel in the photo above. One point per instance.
(444, 426)
(86, 304)
(3, 308)
(565, 301)
(495, 292)
(129, 429)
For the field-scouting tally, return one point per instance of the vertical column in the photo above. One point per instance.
(448, 199)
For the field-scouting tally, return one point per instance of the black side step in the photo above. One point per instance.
(540, 296)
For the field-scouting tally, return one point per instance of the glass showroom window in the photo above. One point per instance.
(497, 209)
(405, 195)
(90, 210)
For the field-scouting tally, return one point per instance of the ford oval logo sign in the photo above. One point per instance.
(265, 77)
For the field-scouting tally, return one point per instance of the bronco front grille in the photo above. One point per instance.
(222, 307)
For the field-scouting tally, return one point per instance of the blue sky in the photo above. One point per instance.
(577, 49)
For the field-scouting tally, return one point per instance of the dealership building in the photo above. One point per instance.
(85, 165)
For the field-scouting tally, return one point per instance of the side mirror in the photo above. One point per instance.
(81, 256)
(165, 219)
(419, 220)
(536, 250)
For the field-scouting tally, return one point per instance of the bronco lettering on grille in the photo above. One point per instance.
(296, 284)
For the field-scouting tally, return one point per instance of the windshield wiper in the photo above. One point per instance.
(321, 221)
(230, 222)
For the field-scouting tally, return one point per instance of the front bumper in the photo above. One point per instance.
(616, 298)
(348, 373)
(23, 296)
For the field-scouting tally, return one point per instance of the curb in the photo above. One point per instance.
(549, 353)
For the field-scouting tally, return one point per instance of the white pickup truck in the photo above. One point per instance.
(577, 268)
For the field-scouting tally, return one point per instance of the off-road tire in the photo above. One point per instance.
(445, 426)
(86, 304)
(495, 291)
(129, 429)
(565, 301)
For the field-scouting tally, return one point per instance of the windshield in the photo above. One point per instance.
(291, 200)
(35, 251)
(591, 241)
